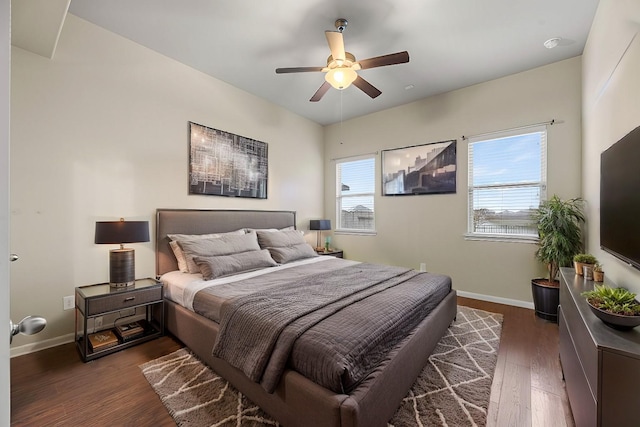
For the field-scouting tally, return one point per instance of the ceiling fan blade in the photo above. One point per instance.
(381, 61)
(298, 70)
(366, 87)
(336, 44)
(320, 92)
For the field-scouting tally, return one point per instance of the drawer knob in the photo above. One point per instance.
(129, 299)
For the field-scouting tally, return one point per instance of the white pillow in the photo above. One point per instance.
(271, 230)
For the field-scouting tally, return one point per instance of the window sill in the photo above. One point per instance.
(357, 232)
(501, 238)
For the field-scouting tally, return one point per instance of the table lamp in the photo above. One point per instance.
(122, 261)
(319, 225)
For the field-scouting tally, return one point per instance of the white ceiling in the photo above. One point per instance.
(451, 43)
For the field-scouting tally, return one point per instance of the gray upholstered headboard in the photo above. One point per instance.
(197, 221)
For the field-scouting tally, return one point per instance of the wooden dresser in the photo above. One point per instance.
(601, 366)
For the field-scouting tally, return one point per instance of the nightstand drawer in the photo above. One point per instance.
(123, 300)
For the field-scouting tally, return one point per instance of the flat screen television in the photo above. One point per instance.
(620, 199)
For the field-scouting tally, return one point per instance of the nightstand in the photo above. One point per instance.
(333, 252)
(98, 300)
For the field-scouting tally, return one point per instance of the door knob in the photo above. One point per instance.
(28, 326)
(13, 257)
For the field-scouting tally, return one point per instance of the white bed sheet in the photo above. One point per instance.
(181, 288)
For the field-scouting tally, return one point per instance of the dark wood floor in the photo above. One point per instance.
(528, 389)
(54, 388)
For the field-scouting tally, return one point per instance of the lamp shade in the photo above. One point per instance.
(118, 232)
(341, 77)
(320, 224)
(122, 262)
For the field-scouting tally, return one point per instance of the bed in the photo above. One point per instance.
(296, 400)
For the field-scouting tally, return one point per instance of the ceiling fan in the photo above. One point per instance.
(342, 67)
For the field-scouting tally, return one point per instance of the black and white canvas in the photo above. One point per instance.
(419, 169)
(225, 164)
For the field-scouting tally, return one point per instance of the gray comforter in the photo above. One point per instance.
(334, 327)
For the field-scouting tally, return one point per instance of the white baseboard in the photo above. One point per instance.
(498, 300)
(41, 345)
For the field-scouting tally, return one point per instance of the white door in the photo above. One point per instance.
(5, 84)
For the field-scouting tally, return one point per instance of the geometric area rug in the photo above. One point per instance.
(452, 390)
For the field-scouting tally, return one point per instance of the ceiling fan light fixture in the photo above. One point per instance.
(341, 77)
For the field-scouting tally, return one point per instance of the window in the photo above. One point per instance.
(355, 191)
(507, 181)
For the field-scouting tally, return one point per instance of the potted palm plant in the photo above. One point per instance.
(559, 239)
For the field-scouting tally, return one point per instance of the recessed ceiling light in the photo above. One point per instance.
(552, 42)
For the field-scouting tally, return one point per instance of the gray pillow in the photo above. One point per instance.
(204, 236)
(225, 265)
(277, 239)
(177, 250)
(285, 246)
(285, 254)
(223, 245)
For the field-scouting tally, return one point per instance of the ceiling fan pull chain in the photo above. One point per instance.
(341, 137)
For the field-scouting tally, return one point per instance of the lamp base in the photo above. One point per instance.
(122, 285)
(319, 247)
(122, 272)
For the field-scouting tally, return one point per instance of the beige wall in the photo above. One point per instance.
(430, 229)
(100, 132)
(611, 109)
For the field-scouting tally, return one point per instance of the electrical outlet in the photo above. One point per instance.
(423, 266)
(97, 322)
(68, 302)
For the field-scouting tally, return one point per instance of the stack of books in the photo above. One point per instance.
(102, 340)
(129, 331)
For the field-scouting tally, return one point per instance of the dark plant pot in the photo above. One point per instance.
(615, 321)
(546, 299)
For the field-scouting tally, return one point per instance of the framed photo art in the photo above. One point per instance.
(419, 169)
(225, 164)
